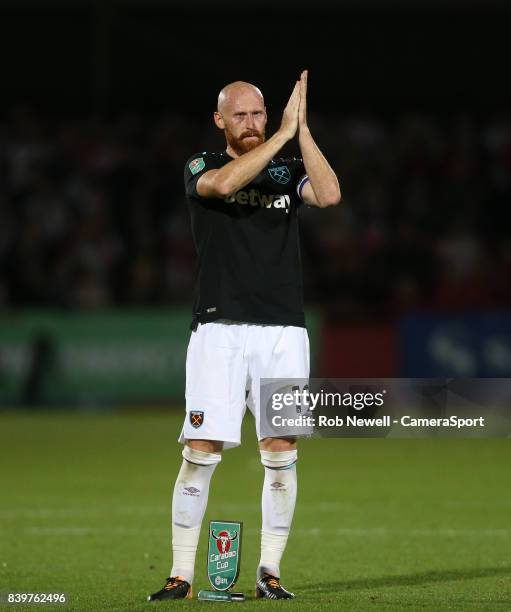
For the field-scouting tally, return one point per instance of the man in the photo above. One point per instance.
(248, 320)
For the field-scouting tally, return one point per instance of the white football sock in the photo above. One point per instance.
(188, 507)
(278, 505)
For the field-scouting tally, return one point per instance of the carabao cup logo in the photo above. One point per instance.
(224, 550)
(223, 540)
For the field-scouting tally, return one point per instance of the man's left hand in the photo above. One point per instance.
(302, 111)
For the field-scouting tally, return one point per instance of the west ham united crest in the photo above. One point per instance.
(280, 174)
(196, 418)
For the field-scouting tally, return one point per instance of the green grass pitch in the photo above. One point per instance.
(380, 524)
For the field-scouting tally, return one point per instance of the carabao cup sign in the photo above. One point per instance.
(224, 553)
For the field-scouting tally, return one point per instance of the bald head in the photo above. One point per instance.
(242, 116)
(233, 92)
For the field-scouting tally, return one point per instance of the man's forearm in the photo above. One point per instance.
(322, 178)
(242, 170)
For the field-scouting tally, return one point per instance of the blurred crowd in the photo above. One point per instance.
(92, 212)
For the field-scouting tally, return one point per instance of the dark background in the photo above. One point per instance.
(153, 56)
(103, 102)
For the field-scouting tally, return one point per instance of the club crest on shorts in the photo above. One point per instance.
(196, 418)
(280, 174)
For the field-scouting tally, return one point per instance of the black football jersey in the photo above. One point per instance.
(249, 266)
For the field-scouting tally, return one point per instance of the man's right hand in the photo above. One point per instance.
(289, 123)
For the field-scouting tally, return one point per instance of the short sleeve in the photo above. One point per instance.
(300, 185)
(300, 178)
(195, 168)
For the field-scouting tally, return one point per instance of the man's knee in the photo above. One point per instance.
(277, 445)
(206, 446)
(282, 459)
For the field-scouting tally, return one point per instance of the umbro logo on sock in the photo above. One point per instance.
(191, 491)
(277, 485)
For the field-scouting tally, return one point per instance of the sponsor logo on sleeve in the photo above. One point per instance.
(197, 165)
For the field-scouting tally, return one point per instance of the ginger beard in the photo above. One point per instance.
(248, 140)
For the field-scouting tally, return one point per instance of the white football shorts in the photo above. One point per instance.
(225, 361)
